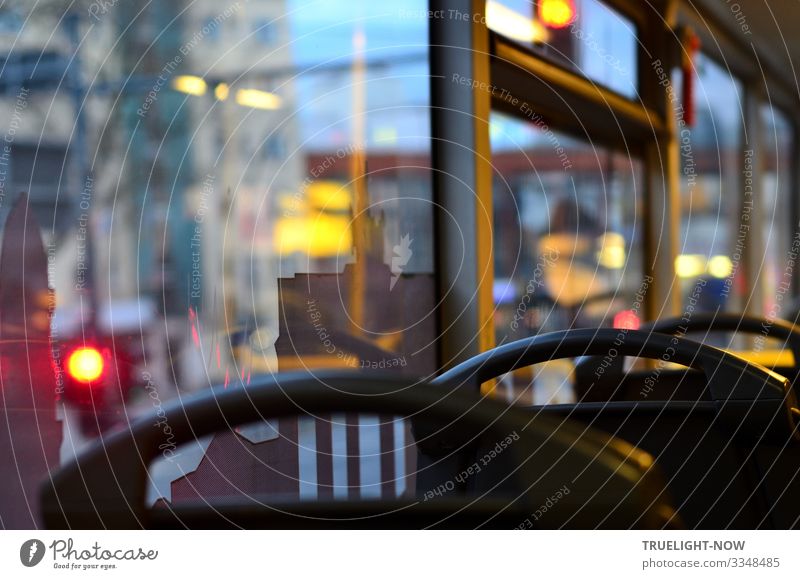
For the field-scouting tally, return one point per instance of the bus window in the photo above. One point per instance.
(255, 188)
(586, 36)
(777, 229)
(567, 235)
(228, 189)
(713, 229)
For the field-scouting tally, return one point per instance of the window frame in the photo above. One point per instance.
(761, 85)
(646, 124)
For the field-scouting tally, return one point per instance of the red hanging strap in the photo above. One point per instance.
(691, 45)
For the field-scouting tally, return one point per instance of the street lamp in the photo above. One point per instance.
(193, 85)
(246, 97)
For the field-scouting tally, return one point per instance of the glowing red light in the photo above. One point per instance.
(85, 364)
(557, 13)
(627, 320)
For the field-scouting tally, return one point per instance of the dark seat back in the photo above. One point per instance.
(712, 449)
(105, 487)
(616, 384)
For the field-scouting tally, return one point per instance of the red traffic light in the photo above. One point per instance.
(85, 364)
(557, 13)
(627, 320)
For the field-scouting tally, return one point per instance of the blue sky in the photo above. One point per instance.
(396, 36)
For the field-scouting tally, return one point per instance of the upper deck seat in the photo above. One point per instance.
(730, 452)
(610, 484)
(601, 380)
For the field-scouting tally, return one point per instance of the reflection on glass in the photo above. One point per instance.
(218, 171)
(780, 241)
(568, 249)
(229, 189)
(712, 233)
(585, 35)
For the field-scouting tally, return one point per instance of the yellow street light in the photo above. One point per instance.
(720, 266)
(258, 99)
(193, 85)
(221, 91)
(690, 265)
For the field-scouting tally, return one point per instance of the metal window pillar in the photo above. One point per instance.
(751, 202)
(462, 177)
(662, 168)
(794, 203)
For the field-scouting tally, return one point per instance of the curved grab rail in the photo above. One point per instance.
(105, 486)
(724, 372)
(726, 322)
(586, 366)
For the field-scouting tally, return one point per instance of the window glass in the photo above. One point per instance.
(264, 32)
(585, 35)
(714, 229)
(779, 236)
(228, 189)
(568, 234)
